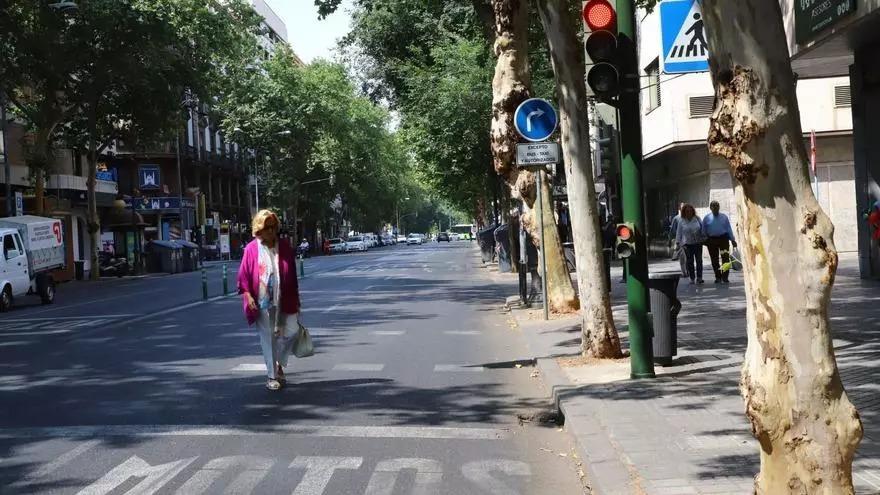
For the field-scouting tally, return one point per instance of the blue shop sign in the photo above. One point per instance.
(159, 203)
(149, 177)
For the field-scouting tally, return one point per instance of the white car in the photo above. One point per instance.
(401, 239)
(338, 246)
(356, 243)
(413, 239)
(454, 237)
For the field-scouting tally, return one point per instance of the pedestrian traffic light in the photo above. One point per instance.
(626, 240)
(607, 152)
(603, 71)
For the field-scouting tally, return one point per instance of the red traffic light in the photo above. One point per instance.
(600, 15)
(624, 232)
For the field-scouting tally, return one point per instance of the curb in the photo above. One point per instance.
(607, 472)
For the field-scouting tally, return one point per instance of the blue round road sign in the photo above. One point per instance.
(535, 119)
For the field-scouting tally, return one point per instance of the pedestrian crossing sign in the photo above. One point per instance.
(684, 39)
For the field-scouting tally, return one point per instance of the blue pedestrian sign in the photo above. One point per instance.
(684, 37)
(535, 119)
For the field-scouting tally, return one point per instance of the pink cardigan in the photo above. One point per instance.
(249, 278)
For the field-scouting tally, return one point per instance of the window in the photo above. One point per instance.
(9, 249)
(701, 106)
(842, 96)
(653, 72)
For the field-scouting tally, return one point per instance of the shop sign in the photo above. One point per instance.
(159, 203)
(811, 17)
(149, 177)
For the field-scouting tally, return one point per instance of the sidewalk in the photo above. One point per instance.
(686, 432)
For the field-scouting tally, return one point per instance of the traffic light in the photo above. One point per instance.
(601, 46)
(626, 240)
(607, 152)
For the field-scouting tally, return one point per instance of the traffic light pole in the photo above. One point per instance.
(640, 331)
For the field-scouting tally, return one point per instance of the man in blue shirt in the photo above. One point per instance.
(719, 235)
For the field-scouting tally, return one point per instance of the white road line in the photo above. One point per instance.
(420, 432)
(63, 459)
(389, 332)
(458, 368)
(250, 367)
(331, 309)
(358, 367)
(461, 332)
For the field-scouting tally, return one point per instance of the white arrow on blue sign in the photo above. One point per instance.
(684, 37)
(535, 119)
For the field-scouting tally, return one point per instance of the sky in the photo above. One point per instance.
(309, 37)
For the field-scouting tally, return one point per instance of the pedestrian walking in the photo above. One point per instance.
(689, 234)
(678, 250)
(719, 237)
(270, 294)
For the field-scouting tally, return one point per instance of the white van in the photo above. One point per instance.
(32, 248)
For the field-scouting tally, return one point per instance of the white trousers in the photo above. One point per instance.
(276, 348)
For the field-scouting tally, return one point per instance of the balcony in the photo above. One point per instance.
(77, 183)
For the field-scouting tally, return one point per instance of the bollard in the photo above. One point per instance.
(204, 284)
(302, 267)
(225, 285)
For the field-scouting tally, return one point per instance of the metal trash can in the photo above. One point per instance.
(166, 255)
(189, 255)
(486, 240)
(665, 306)
(502, 240)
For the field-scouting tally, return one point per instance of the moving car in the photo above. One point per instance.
(356, 243)
(401, 239)
(338, 246)
(32, 248)
(443, 236)
(413, 239)
(454, 237)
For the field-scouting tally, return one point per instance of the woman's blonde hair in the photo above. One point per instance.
(259, 221)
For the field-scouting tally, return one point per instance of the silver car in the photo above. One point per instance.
(338, 246)
(356, 243)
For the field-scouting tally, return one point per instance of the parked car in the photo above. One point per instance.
(338, 246)
(356, 243)
(454, 237)
(413, 239)
(32, 248)
(401, 239)
(443, 236)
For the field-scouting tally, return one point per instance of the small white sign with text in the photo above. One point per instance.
(529, 154)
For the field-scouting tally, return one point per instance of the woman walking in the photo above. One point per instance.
(689, 235)
(270, 294)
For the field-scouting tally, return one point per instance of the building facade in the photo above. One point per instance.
(677, 167)
(841, 38)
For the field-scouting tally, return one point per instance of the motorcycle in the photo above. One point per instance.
(302, 251)
(112, 266)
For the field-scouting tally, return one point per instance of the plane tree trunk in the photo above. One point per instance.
(598, 334)
(510, 87)
(807, 428)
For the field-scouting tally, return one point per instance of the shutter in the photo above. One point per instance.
(842, 96)
(701, 106)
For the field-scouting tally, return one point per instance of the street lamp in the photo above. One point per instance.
(397, 205)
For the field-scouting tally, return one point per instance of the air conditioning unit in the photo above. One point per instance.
(842, 96)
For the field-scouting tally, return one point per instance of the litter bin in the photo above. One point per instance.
(665, 306)
(486, 240)
(80, 269)
(502, 240)
(189, 256)
(166, 256)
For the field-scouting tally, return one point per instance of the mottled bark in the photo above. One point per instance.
(510, 87)
(807, 428)
(599, 336)
(94, 223)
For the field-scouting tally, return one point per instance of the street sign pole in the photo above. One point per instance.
(540, 211)
(640, 332)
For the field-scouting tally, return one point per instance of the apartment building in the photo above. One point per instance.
(676, 164)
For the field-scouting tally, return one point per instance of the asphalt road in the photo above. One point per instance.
(133, 386)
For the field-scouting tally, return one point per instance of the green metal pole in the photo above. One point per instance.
(204, 284)
(640, 331)
(225, 283)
